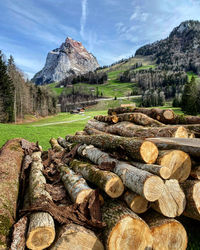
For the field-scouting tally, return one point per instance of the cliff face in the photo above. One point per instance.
(71, 58)
(181, 49)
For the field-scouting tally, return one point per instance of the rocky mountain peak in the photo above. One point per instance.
(185, 27)
(71, 58)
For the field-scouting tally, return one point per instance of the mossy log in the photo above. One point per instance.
(163, 172)
(191, 189)
(41, 231)
(135, 202)
(55, 145)
(124, 230)
(75, 184)
(167, 233)
(72, 236)
(139, 181)
(172, 200)
(177, 161)
(11, 157)
(138, 118)
(105, 180)
(135, 148)
(189, 145)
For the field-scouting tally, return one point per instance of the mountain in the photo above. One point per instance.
(181, 50)
(70, 59)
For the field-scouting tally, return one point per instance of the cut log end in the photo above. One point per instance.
(115, 119)
(127, 235)
(153, 188)
(168, 114)
(83, 195)
(114, 188)
(196, 195)
(181, 132)
(40, 238)
(165, 173)
(149, 152)
(139, 205)
(171, 235)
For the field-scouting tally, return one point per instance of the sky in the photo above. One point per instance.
(110, 29)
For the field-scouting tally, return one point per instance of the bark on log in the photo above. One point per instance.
(105, 180)
(11, 157)
(177, 161)
(161, 171)
(195, 172)
(135, 148)
(76, 237)
(125, 230)
(142, 182)
(120, 110)
(188, 119)
(55, 145)
(167, 233)
(136, 203)
(80, 133)
(172, 201)
(19, 234)
(190, 145)
(41, 231)
(138, 118)
(63, 143)
(105, 118)
(74, 184)
(93, 131)
(191, 189)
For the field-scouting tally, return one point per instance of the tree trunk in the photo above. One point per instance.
(120, 110)
(41, 231)
(195, 172)
(163, 172)
(72, 236)
(55, 145)
(136, 203)
(19, 234)
(124, 230)
(105, 180)
(137, 149)
(190, 145)
(11, 157)
(74, 184)
(177, 161)
(172, 200)
(188, 119)
(167, 233)
(138, 118)
(139, 181)
(191, 189)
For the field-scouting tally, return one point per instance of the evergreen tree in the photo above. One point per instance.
(6, 91)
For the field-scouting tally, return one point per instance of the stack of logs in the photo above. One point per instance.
(119, 184)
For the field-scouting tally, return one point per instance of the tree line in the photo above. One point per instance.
(19, 96)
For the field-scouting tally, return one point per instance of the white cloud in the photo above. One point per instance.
(139, 14)
(83, 17)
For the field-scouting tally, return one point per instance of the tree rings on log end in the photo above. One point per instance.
(129, 234)
(114, 188)
(149, 152)
(83, 195)
(153, 188)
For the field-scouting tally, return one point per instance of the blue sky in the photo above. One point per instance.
(110, 29)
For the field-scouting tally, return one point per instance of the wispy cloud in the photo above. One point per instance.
(83, 17)
(139, 14)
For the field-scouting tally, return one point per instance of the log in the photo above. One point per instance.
(11, 157)
(167, 233)
(136, 203)
(177, 161)
(93, 131)
(120, 110)
(138, 118)
(163, 172)
(191, 189)
(139, 181)
(55, 145)
(195, 172)
(41, 231)
(188, 119)
(105, 180)
(105, 118)
(75, 185)
(19, 234)
(172, 200)
(190, 145)
(72, 236)
(128, 129)
(125, 230)
(135, 148)
(80, 133)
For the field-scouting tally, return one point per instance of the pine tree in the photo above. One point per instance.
(6, 91)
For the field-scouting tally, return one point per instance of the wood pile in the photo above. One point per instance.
(122, 183)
